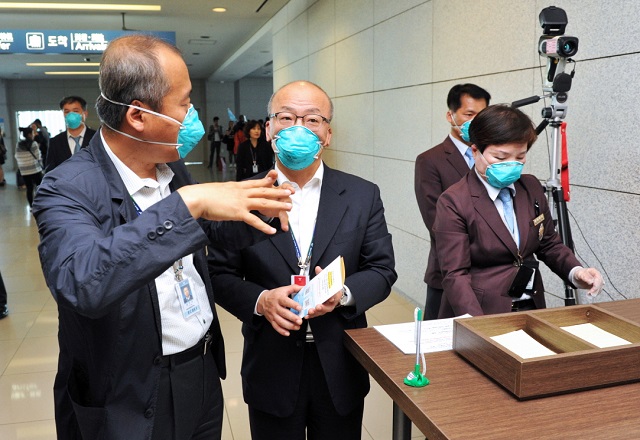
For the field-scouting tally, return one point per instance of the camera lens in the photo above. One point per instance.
(567, 46)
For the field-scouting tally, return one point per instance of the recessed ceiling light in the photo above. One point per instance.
(79, 6)
(71, 73)
(62, 64)
(219, 9)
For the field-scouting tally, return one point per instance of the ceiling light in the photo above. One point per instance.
(219, 9)
(62, 64)
(79, 6)
(71, 73)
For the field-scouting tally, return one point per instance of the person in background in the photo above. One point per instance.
(230, 143)
(77, 135)
(440, 167)
(4, 308)
(42, 138)
(238, 136)
(215, 136)
(254, 155)
(493, 223)
(3, 158)
(29, 161)
(297, 376)
(123, 229)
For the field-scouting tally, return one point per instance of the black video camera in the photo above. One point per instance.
(557, 47)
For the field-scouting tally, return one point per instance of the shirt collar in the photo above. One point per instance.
(131, 180)
(461, 146)
(84, 130)
(492, 190)
(316, 179)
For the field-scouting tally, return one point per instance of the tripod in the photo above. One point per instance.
(553, 115)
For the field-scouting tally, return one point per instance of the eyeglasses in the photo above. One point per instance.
(287, 119)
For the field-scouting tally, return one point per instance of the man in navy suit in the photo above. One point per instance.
(439, 168)
(122, 234)
(296, 373)
(76, 136)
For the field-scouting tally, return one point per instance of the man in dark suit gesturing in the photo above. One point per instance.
(296, 373)
(439, 168)
(122, 236)
(76, 136)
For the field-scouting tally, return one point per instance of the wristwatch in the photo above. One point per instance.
(343, 298)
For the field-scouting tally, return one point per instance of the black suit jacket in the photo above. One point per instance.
(350, 223)
(59, 150)
(100, 260)
(436, 170)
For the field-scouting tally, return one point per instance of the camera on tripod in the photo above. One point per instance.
(557, 47)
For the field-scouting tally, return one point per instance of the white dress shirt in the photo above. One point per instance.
(178, 333)
(72, 142)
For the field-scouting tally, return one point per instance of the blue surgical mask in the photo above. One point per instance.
(73, 120)
(464, 128)
(296, 147)
(502, 174)
(191, 129)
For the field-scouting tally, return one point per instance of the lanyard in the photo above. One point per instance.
(177, 266)
(303, 265)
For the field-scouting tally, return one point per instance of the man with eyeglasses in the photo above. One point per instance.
(296, 373)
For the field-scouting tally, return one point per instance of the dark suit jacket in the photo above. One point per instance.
(59, 150)
(477, 253)
(436, 170)
(350, 223)
(100, 260)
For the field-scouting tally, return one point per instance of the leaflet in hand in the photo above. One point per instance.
(322, 287)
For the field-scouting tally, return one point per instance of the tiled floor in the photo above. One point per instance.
(29, 349)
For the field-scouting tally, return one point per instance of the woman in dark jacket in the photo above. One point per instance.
(255, 154)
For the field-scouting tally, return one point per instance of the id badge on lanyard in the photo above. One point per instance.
(303, 277)
(184, 289)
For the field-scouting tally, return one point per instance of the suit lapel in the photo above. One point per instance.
(485, 207)
(455, 158)
(283, 242)
(522, 214)
(331, 209)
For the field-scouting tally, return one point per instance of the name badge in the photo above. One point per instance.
(187, 299)
(539, 219)
(255, 167)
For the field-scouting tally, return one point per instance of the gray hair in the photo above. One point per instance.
(269, 104)
(130, 70)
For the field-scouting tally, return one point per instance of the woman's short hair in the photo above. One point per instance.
(250, 126)
(501, 124)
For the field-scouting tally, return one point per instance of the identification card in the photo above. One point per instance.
(188, 302)
(299, 280)
(255, 167)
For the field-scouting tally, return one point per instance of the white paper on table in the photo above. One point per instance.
(437, 335)
(595, 335)
(322, 287)
(522, 344)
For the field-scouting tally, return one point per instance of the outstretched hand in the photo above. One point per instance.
(236, 200)
(589, 278)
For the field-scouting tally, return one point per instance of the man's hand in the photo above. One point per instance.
(275, 304)
(236, 200)
(325, 307)
(282, 215)
(590, 279)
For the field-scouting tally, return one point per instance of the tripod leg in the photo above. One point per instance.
(564, 229)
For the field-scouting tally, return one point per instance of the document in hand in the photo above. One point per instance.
(322, 287)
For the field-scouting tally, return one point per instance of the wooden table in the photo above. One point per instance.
(463, 403)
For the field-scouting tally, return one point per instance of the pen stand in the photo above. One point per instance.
(416, 379)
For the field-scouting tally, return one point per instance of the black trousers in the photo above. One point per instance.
(32, 181)
(314, 412)
(190, 404)
(432, 304)
(3, 293)
(215, 151)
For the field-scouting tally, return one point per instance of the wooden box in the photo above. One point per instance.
(577, 365)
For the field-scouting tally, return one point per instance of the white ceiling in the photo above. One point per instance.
(220, 46)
